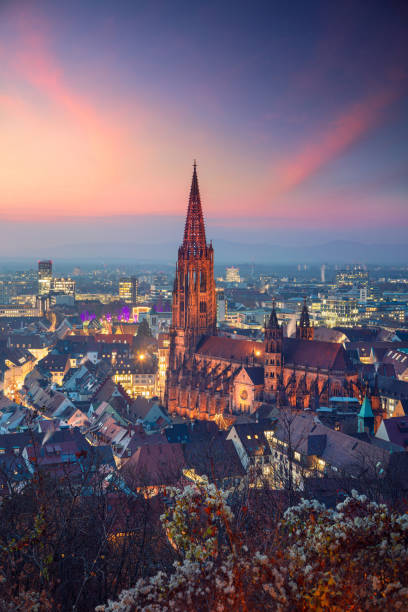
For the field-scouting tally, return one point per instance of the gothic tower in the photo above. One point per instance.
(304, 329)
(194, 308)
(273, 355)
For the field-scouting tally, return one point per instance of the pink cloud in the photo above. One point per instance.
(37, 65)
(348, 128)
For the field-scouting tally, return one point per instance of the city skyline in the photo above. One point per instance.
(203, 305)
(296, 116)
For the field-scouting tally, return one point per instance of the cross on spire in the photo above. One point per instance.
(194, 241)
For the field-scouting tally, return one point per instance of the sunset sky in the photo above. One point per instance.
(297, 113)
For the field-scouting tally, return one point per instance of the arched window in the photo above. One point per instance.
(203, 307)
(203, 281)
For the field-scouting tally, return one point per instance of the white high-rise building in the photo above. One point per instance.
(64, 286)
(232, 275)
(128, 289)
(323, 273)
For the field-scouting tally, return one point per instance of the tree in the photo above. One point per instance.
(352, 557)
(68, 541)
(144, 331)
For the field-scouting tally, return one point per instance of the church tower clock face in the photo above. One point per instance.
(244, 394)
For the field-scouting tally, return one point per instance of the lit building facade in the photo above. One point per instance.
(232, 275)
(65, 286)
(357, 275)
(4, 293)
(210, 375)
(163, 357)
(340, 311)
(16, 310)
(44, 276)
(133, 380)
(194, 309)
(128, 289)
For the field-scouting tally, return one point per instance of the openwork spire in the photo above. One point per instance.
(194, 242)
(304, 317)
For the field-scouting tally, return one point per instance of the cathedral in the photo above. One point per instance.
(209, 375)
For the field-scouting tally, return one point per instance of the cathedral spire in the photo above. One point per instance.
(194, 242)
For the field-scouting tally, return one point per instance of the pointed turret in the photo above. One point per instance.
(366, 417)
(273, 319)
(304, 317)
(273, 347)
(304, 330)
(194, 242)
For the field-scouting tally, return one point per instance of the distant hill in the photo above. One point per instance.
(156, 239)
(235, 252)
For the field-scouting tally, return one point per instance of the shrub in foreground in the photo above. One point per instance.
(354, 557)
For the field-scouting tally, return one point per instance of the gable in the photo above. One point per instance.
(243, 378)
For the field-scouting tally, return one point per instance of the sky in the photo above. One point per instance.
(297, 114)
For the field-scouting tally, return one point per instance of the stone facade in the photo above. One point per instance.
(209, 375)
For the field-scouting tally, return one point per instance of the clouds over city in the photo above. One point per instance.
(275, 139)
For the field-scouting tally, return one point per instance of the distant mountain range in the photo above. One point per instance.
(236, 252)
(156, 238)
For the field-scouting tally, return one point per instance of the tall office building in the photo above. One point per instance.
(44, 276)
(4, 293)
(128, 289)
(232, 275)
(357, 275)
(323, 273)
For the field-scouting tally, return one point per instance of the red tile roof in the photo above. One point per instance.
(314, 354)
(232, 349)
(154, 465)
(114, 338)
(397, 430)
